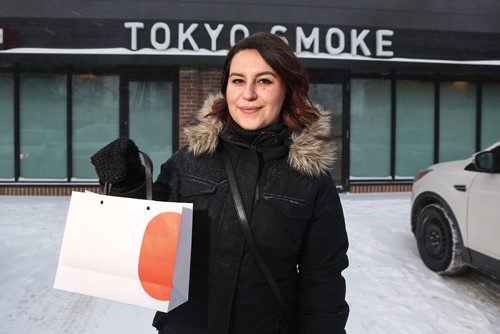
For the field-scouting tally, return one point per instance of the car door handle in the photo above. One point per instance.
(460, 187)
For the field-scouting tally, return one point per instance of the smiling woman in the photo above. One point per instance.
(269, 239)
(276, 61)
(255, 93)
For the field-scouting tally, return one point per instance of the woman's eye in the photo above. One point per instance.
(264, 81)
(237, 81)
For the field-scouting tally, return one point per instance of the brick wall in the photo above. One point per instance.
(374, 188)
(66, 190)
(195, 84)
(45, 190)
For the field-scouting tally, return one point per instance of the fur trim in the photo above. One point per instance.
(311, 151)
(203, 137)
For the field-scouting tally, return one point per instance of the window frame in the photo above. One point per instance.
(165, 73)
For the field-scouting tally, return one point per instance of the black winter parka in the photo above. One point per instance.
(295, 216)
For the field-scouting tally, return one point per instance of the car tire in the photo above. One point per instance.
(439, 241)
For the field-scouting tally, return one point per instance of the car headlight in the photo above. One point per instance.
(421, 174)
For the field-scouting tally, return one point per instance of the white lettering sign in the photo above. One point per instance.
(154, 36)
(280, 31)
(214, 34)
(301, 39)
(234, 30)
(333, 41)
(359, 41)
(133, 33)
(186, 35)
(381, 42)
(339, 34)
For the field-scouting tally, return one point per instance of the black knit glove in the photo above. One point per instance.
(119, 163)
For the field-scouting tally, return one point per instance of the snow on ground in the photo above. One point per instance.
(388, 287)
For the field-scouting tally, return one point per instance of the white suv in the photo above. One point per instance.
(455, 214)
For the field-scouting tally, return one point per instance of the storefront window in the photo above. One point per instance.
(329, 96)
(370, 128)
(43, 127)
(150, 114)
(6, 127)
(457, 121)
(490, 124)
(414, 126)
(95, 119)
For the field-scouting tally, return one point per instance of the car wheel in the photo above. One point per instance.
(438, 240)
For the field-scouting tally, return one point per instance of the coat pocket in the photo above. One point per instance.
(192, 186)
(289, 208)
(279, 223)
(194, 190)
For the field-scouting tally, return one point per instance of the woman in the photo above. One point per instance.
(280, 148)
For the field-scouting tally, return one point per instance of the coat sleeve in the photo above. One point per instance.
(322, 306)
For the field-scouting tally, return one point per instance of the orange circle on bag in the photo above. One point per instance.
(157, 255)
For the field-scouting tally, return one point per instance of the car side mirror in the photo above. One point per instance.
(485, 161)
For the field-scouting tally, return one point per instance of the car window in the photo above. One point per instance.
(471, 167)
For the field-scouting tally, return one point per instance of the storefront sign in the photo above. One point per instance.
(206, 40)
(315, 40)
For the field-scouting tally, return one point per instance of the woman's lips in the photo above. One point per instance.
(249, 110)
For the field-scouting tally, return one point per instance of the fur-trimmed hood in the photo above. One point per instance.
(311, 150)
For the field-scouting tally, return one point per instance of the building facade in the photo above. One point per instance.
(409, 84)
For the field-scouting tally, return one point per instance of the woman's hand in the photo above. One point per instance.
(119, 163)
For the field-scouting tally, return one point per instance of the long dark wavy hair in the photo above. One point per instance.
(297, 111)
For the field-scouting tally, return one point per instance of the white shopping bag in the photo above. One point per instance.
(128, 250)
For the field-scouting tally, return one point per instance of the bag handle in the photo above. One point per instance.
(242, 217)
(149, 175)
(148, 164)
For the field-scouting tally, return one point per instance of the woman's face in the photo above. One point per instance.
(255, 93)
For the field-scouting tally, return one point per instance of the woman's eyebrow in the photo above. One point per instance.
(258, 74)
(267, 73)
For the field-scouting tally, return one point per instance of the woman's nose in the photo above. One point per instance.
(249, 93)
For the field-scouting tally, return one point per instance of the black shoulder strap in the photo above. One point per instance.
(240, 210)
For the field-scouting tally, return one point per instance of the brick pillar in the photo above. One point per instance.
(195, 84)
